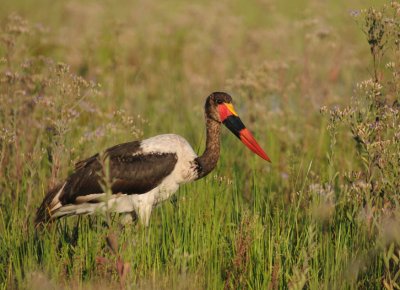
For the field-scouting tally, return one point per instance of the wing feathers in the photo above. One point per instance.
(131, 171)
(50, 202)
(91, 198)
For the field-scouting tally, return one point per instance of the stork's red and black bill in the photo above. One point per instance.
(232, 121)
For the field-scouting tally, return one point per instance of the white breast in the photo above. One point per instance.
(184, 170)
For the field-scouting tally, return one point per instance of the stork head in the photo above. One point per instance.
(219, 108)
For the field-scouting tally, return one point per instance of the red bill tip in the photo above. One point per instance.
(247, 138)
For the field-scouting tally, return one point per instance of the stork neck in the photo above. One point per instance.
(208, 160)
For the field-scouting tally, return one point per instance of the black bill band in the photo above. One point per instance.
(234, 124)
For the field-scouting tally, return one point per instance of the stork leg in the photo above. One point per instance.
(144, 214)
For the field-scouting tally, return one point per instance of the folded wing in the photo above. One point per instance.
(128, 168)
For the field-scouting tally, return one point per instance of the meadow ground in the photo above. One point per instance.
(318, 82)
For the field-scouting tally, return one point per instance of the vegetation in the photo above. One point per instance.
(318, 84)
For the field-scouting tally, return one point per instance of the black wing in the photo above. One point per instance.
(131, 171)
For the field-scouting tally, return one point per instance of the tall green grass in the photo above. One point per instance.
(77, 77)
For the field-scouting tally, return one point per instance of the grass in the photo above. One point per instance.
(318, 87)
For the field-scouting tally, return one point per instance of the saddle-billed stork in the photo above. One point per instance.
(144, 173)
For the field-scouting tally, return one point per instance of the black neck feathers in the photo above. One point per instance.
(208, 160)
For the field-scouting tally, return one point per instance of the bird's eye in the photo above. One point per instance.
(219, 102)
